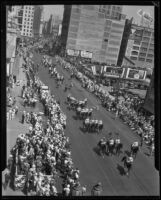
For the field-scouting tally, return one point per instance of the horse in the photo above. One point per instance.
(118, 148)
(134, 150)
(127, 164)
(111, 147)
(102, 147)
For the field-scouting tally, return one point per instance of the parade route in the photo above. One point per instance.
(143, 180)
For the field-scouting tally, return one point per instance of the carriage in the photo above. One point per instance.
(91, 125)
(74, 103)
(134, 149)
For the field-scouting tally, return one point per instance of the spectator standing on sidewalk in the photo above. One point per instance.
(10, 114)
(7, 178)
(16, 110)
(13, 114)
(84, 189)
(23, 116)
(14, 101)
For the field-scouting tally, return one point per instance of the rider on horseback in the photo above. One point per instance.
(135, 144)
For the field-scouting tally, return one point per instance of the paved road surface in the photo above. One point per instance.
(143, 180)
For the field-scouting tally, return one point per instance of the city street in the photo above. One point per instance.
(80, 113)
(143, 180)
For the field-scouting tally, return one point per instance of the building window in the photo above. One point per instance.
(143, 49)
(147, 33)
(107, 29)
(117, 25)
(115, 43)
(108, 23)
(104, 46)
(133, 58)
(152, 46)
(116, 37)
(142, 54)
(150, 55)
(136, 42)
(134, 53)
(151, 51)
(135, 48)
(149, 60)
(141, 59)
(144, 44)
(106, 34)
(112, 49)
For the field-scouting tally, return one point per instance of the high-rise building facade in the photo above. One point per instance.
(37, 20)
(97, 29)
(140, 47)
(27, 21)
(29, 18)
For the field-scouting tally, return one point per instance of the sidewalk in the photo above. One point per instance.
(15, 127)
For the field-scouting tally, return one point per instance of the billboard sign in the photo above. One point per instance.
(115, 72)
(136, 74)
(72, 52)
(86, 54)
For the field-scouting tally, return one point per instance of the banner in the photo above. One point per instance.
(136, 74)
(72, 52)
(86, 54)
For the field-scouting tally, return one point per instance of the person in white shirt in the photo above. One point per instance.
(66, 190)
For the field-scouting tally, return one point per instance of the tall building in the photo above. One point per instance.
(50, 26)
(27, 21)
(140, 46)
(29, 17)
(94, 30)
(125, 37)
(37, 20)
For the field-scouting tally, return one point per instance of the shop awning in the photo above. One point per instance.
(10, 50)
